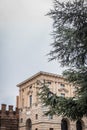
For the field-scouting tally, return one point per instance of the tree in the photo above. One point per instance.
(70, 49)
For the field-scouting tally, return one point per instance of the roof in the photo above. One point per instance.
(38, 74)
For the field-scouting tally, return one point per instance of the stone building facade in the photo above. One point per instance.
(31, 111)
(9, 119)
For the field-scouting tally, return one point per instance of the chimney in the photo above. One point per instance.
(10, 108)
(17, 101)
(3, 107)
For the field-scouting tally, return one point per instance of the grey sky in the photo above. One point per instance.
(24, 42)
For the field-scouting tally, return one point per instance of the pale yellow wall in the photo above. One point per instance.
(43, 122)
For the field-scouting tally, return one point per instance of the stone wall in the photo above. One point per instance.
(31, 112)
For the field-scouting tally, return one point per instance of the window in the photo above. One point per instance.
(38, 82)
(51, 129)
(62, 94)
(20, 110)
(30, 87)
(23, 102)
(28, 124)
(21, 120)
(64, 125)
(36, 116)
(30, 100)
(22, 90)
(50, 116)
(36, 129)
(62, 85)
(49, 82)
(78, 125)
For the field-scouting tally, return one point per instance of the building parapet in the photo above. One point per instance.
(4, 111)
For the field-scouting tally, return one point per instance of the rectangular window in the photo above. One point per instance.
(30, 100)
(21, 120)
(23, 102)
(36, 116)
(51, 129)
(49, 82)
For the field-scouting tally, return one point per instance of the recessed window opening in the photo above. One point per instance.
(49, 82)
(78, 125)
(64, 124)
(51, 129)
(62, 85)
(36, 116)
(30, 98)
(30, 87)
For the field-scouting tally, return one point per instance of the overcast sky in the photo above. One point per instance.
(24, 42)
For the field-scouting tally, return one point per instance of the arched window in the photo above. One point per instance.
(79, 125)
(64, 124)
(28, 124)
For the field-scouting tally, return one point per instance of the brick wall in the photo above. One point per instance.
(8, 118)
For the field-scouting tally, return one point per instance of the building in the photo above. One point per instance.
(9, 119)
(31, 114)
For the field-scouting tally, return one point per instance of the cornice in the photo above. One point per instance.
(38, 74)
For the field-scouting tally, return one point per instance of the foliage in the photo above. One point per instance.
(70, 49)
(70, 33)
(66, 107)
